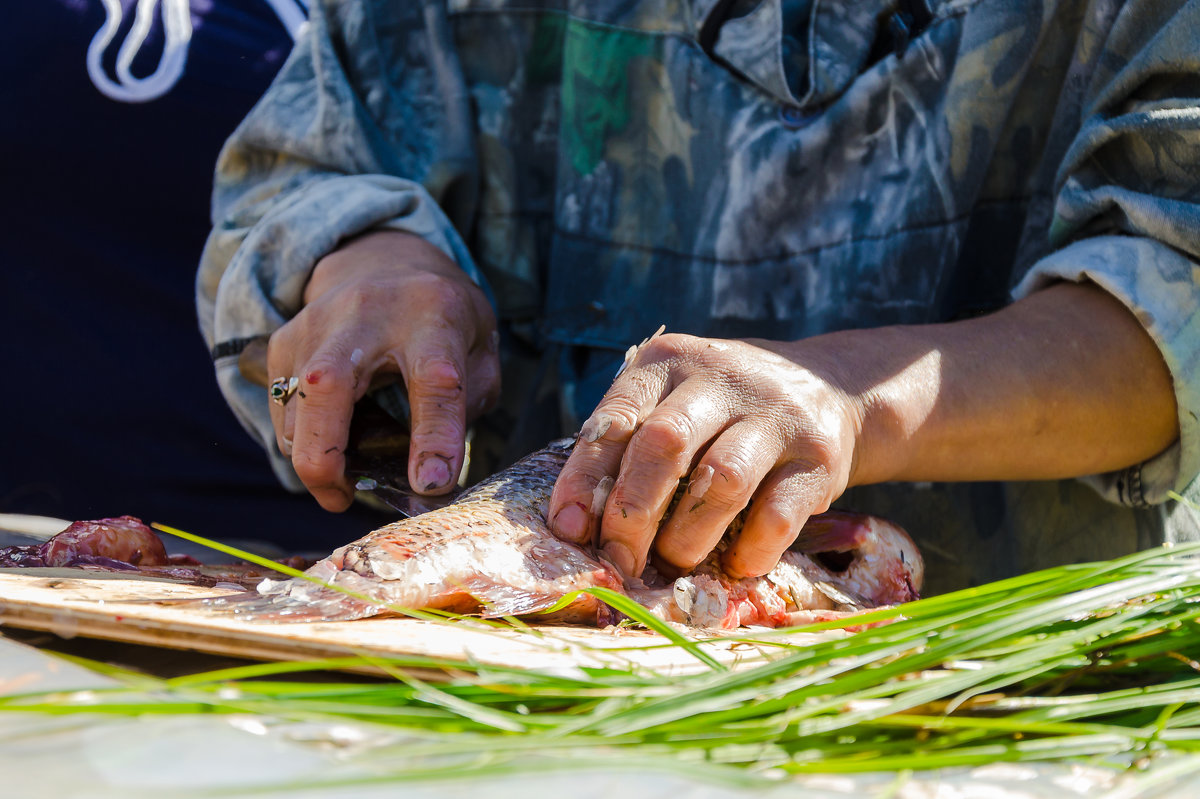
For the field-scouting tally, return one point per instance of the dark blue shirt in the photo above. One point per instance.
(109, 401)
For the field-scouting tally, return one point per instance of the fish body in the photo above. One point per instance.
(491, 552)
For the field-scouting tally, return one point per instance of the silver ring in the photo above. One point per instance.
(282, 389)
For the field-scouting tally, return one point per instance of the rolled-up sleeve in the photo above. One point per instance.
(356, 133)
(1127, 214)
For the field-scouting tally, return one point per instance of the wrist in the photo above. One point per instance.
(889, 380)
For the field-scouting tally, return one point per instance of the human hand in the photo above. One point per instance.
(1038, 390)
(385, 306)
(740, 420)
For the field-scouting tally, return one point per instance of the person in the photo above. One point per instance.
(111, 406)
(926, 259)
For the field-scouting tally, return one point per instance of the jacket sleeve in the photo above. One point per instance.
(366, 126)
(1127, 213)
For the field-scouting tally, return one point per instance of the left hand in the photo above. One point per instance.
(740, 420)
(1063, 383)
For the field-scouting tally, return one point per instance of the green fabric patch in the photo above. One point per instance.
(595, 94)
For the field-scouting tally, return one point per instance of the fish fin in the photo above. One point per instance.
(800, 618)
(847, 600)
(255, 607)
(803, 618)
(498, 600)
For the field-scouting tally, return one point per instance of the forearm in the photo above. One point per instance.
(1061, 384)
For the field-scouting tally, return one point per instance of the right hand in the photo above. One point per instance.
(741, 419)
(385, 305)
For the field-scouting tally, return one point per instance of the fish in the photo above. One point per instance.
(491, 553)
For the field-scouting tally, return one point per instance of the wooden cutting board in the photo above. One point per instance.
(125, 608)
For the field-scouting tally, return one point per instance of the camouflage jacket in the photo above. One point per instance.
(774, 168)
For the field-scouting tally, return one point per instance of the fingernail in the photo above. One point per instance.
(701, 480)
(287, 446)
(621, 557)
(433, 472)
(600, 494)
(571, 523)
(594, 428)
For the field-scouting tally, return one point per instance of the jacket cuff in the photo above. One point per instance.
(1159, 286)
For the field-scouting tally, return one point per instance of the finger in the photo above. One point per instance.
(659, 454)
(582, 489)
(781, 506)
(287, 435)
(575, 504)
(329, 387)
(483, 377)
(435, 375)
(719, 488)
(278, 364)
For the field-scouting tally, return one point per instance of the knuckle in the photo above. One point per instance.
(437, 376)
(770, 526)
(614, 422)
(349, 301)
(669, 345)
(666, 435)
(316, 470)
(734, 480)
(280, 341)
(582, 481)
(438, 417)
(623, 512)
(818, 448)
(326, 376)
(630, 509)
(623, 423)
(584, 484)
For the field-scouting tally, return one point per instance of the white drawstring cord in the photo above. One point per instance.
(292, 15)
(177, 25)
